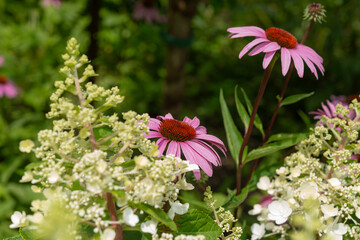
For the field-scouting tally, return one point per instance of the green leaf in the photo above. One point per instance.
(194, 200)
(273, 147)
(196, 222)
(233, 136)
(102, 132)
(128, 164)
(156, 213)
(283, 136)
(235, 201)
(28, 234)
(18, 237)
(257, 122)
(295, 98)
(33, 165)
(242, 111)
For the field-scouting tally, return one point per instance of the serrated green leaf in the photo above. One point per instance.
(196, 222)
(233, 136)
(235, 201)
(244, 116)
(156, 213)
(257, 122)
(272, 147)
(295, 98)
(102, 132)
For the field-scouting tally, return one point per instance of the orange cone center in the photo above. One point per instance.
(176, 130)
(282, 37)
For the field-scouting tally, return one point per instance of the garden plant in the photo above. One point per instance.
(101, 173)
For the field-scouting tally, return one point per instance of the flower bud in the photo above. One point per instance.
(314, 12)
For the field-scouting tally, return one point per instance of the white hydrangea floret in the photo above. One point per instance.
(19, 220)
(309, 190)
(256, 210)
(26, 146)
(27, 177)
(178, 208)
(149, 226)
(129, 217)
(108, 234)
(337, 231)
(279, 211)
(329, 210)
(264, 183)
(257, 230)
(335, 182)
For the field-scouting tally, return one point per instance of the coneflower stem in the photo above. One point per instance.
(263, 84)
(267, 133)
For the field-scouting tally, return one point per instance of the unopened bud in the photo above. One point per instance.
(314, 12)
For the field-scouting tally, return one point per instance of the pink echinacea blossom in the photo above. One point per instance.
(276, 39)
(189, 138)
(54, 3)
(145, 10)
(7, 88)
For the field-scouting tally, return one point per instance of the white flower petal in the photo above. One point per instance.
(108, 234)
(149, 226)
(264, 183)
(130, 218)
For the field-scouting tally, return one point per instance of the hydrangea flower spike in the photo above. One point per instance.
(276, 39)
(189, 138)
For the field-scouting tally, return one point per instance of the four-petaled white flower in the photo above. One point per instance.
(129, 217)
(258, 231)
(337, 231)
(264, 183)
(19, 220)
(309, 190)
(279, 211)
(177, 208)
(329, 210)
(149, 226)
(108, 234)
(27, 177)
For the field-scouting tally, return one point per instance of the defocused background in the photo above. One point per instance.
(166, 56)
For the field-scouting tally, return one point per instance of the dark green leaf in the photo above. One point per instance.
(32, 165)
(128, 164)
(102, 132)
(273, 147)
(196, 222)
(295, 98)
(14, 238)
(235, 201)
(244, 116)
(233, 136)
(29, 234)
(156, 213)
(283, 136)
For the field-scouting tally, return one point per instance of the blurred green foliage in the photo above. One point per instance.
(132, 56)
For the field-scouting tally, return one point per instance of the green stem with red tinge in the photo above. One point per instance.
(263, 84)
(267, 133)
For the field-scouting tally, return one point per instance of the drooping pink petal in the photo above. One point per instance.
(154, 124)
(200, 130)
(310, 65)
(298, 62)
(258, 49)
(172, 148)
(212, 150)
(212, 139)
(267, 59)
(203, 151)
(311, 55)
(250, 31)
(194, 157)
(197, 174)
(250, 45)
(153, 134)
(273, 46)
(161, 142)
(285, 60)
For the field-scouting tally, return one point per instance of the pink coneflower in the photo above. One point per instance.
(145, 10)
(189, 138)
(54, 3)
(329, 108)
(276, 39)
(1, 60)
(266, 200)
(7, 88)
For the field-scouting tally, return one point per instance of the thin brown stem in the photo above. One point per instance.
(113, 216)
(278, 105)
(252, 119)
